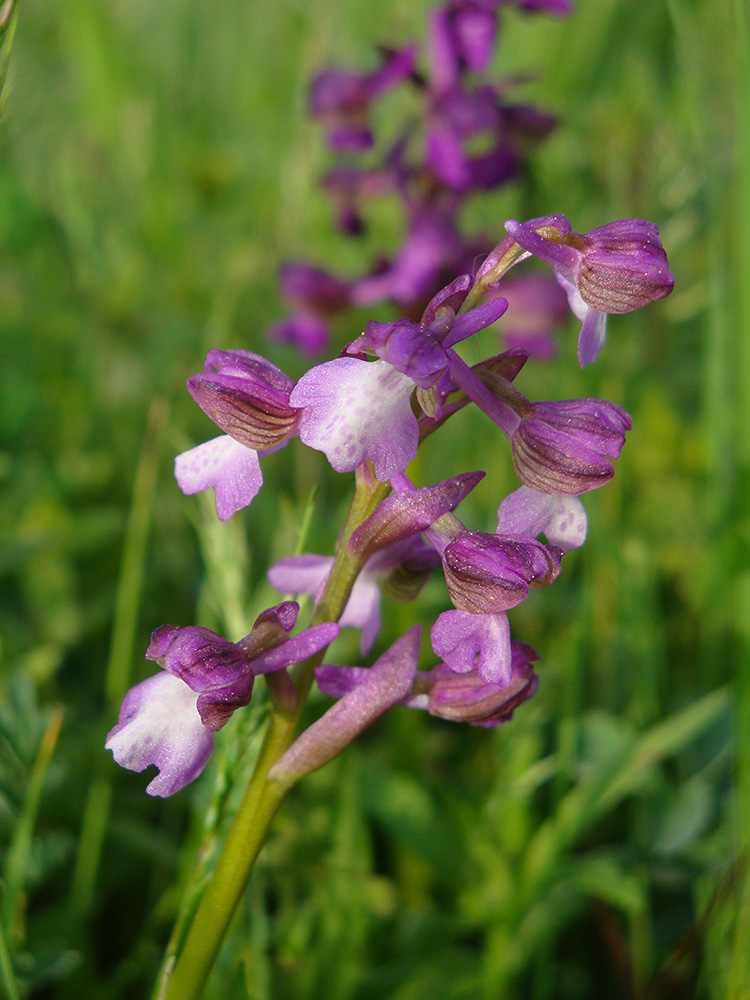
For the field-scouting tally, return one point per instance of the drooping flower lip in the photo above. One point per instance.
(247, 397)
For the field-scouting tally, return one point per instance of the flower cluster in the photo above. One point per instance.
(368, 410)
(465, 136)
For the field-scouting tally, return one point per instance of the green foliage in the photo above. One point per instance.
(156, 166)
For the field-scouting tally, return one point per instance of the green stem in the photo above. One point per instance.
(184, 978)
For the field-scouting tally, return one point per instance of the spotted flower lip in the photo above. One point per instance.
(569, 446)
(561, 518)
(169, 719)
(465, 642)
(247, 397)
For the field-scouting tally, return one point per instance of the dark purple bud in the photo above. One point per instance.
(616, 268)
(569, 446)
(209, 664)
(404, 514)
(247, 397)
(467, 698)
(490, 573)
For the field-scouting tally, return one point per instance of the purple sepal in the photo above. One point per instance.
(467, 698)
(357, 410)
(561, 519)
(404, 514)
(486, 574)
(466, 642)
(388, 682)
(159, 724)
(224, 465)
(568, 446)
(247, 397)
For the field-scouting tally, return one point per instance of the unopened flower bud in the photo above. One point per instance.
(569, 446)
(486, 574)
(247, 397)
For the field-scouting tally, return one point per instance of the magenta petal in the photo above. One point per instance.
(465, 641)
(159, 724)
(561, 518)
(357, 410)
(226, 466)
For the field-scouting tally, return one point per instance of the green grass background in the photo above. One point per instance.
(156, 167)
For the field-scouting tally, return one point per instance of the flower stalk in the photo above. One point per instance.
(184, 976)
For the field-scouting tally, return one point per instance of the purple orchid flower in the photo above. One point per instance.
(169, 719)
(569, 446)
(461, 36)
(616, 268)
(488, 574)
(448, 695)
(248, 398)
(356, 410)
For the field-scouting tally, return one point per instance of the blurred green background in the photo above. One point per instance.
(156, 167)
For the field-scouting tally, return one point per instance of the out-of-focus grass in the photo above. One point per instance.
(155, 168)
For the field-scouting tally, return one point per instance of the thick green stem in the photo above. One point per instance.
(184, 978)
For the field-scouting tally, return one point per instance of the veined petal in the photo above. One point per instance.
(159, 724)
(229, 468)
(357, 410)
